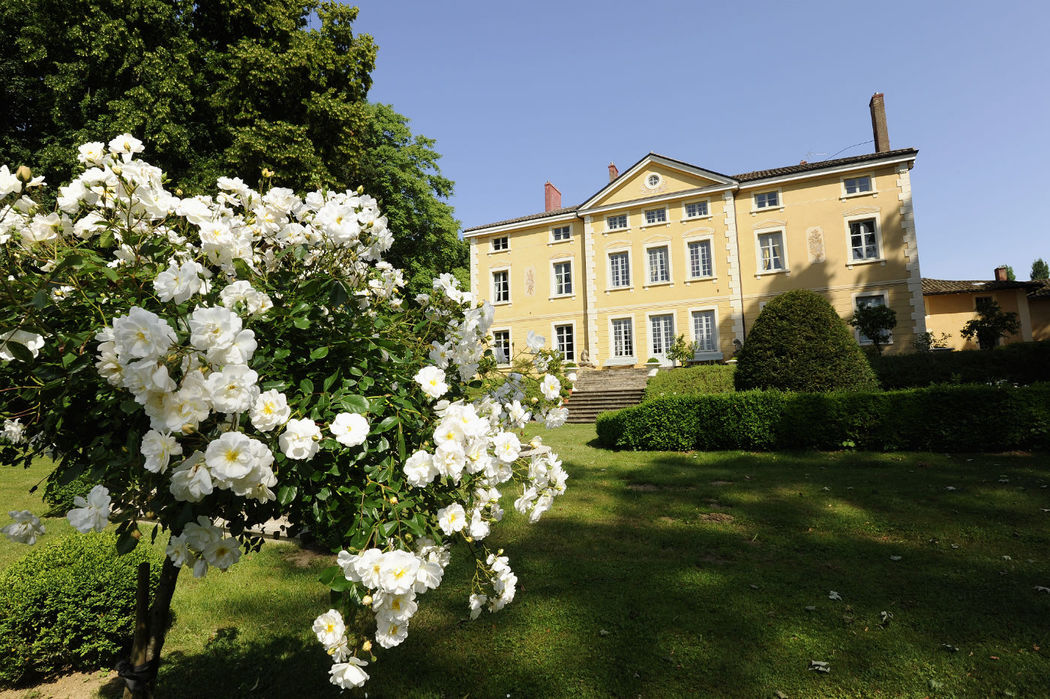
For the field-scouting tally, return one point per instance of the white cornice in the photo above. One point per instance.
(660, 160)
(683, 194)
(518, 225)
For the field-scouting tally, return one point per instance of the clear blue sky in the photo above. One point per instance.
(516, 93)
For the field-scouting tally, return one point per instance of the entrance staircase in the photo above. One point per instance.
(598, 391)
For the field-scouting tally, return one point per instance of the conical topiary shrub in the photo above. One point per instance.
(799, 343)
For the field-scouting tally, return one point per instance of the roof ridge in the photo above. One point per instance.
(743, 177)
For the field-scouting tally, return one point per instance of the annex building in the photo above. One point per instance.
(668, 248)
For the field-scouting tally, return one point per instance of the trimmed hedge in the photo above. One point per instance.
(799, 343)
(941, 418)
(691, 381)
(68, 605)
(1021, 363)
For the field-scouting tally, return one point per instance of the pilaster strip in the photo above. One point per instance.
(591, 279)
(736, 302)
(911, 249)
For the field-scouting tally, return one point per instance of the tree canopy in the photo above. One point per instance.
(1040, 270)
(223, 87)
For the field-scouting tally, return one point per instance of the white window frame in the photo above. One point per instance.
(492, 244)
(624, 360)
(510, 345)
(685, 210)
(492, 286)
(881, 256)
(575, 338)
(755, 208)
(648, 270)
(553, 241)
(863, 339)
(706, 355)
(554, 278)
(856, 176)
(662, 356)
(759, 232)
(656, 211)
(626, 227)
(659, 180)
(609, 286)
(689, 258)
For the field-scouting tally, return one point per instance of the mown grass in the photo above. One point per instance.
(663, 574)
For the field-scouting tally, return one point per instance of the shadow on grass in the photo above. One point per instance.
(709, 575)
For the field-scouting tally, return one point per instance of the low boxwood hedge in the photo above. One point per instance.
(691, 381)
(974, 418)
(1022, 363)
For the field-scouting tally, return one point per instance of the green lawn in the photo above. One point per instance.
(662, 574)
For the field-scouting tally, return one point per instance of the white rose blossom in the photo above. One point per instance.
(91, 513)
(25, 529)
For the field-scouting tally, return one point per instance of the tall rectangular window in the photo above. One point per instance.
(501, 345)
(564, 342)
(501, 286)
(614, 223)
(857, 185)
(501, 243)
(561, 233)
(771, 251)
(655, 216)
(704, 331)
(767, 200)
(623, 337)
(661, 334)
(696, 209)
(562, 278)
(619, 269)
(659, 265)
(700, 259)
(863, 241)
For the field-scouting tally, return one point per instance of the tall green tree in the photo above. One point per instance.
(223, 87)
(991, 324)
(1040, 270)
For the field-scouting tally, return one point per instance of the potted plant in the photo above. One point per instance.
(653, 365)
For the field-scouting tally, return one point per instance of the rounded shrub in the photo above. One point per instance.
(69, 605)
(799, 343)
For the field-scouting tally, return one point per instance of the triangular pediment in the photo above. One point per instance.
(655, 176)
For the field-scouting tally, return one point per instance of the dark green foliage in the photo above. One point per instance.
(991, 324)
(799, 343)
(1040, 270)
(223, 88)
(875, 322)
(941, 418)
(69, 605)
(691, 381)
(1019, 363)
(59, 495)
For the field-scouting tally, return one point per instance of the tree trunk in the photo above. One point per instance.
(151, 627)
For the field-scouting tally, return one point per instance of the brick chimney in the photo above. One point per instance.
(551, 197)
(877, 105)
(613, 172)
(1001, 274)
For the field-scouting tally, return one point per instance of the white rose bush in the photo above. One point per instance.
(211, 363)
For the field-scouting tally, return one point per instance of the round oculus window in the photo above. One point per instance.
(652, 181)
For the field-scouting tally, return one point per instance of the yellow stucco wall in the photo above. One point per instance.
(948, 313)
(813, 218)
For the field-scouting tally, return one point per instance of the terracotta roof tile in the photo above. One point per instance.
(932, 287)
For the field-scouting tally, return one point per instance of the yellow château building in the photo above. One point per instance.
(667, 248)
